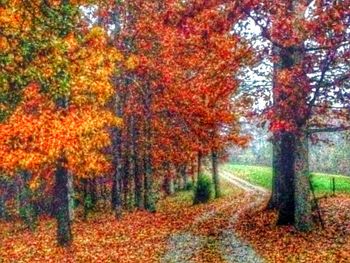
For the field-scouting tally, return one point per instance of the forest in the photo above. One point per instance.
(175, 131)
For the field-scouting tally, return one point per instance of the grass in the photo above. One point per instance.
(262, 176)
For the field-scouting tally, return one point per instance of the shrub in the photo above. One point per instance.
(189, 186)
(203, 189)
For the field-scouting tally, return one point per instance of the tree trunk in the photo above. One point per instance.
(86, 199)
(93, 193)
(285, 163)
(126, 178)
(169, 185)
(27, 211)
(116, 193)
(199, 164)
(2, 207)
(136, 165)
(118, 174)
(71, 196)
(193, 172)
(216, 180)
(61, 202)
(276, 174)
(303, 211)
(150, 204)
(184, 176)
(3, 191)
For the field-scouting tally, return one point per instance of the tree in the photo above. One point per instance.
(308, 44)
(60, 124)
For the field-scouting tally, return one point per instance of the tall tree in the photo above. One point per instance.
(60, 123)
(308, 42)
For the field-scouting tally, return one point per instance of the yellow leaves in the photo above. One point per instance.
(34, 183)
(54, 3)
(38, 133)
(132, 62)
(10, 17)
(42, 134)
(115, 55)
(4, 45)
(5, 15)
(96, 37)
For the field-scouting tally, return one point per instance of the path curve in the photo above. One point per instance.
(183, 246)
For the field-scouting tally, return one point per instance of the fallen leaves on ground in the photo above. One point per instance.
(138, 237)
(284, 244)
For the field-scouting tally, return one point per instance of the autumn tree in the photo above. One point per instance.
(59, 125)
(308, 44)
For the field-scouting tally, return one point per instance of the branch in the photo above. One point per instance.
(328, 129)
(319, 82)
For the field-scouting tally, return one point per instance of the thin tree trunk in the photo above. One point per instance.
(184, 176)
(117, 162)
(93, 192)
(116, 194)
(193, 172)
(216, 180)
(3, 190)
(149, 193)
(136, 164)
(86, 201)
(276, 175)
(199, 164)
(150, 202)
(27, 211)
(303, 211)
(168, 179)
(138, 185)
(126, 177)
(2, 207)
(61, 203)
(117, 177)
(71, 196)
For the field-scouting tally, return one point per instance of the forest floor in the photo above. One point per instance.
(233, 228)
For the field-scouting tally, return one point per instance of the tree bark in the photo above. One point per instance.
(116, 193)
(93, 192)
(3, 190)
(169, 185)
(116, 199)
(71, 196)
(199, 164)
(149, 197)
(216, 179)
(285, 163)
(2, 207)
(86, 201)
(126, 178)
(184, 176)
(303, 211)
(276, 175)
(27, 211)
(61, 204)
(136, 164)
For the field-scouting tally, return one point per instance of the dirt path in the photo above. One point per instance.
(243, 184)
(182, 247)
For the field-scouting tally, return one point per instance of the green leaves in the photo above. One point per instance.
(28, 49)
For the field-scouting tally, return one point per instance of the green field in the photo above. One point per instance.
(262, 176)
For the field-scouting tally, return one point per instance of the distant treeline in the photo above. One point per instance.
(329, 152)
